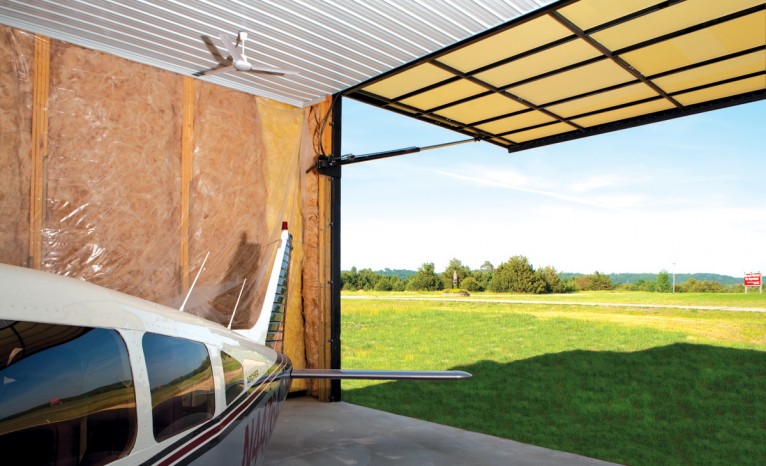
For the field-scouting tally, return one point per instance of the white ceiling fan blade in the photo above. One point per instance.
(215, 71)
(238, 61)
(230, 47)
(273, 71)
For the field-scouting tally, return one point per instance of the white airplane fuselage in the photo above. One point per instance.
(92, 376)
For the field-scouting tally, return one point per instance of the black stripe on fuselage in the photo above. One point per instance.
(205, 446)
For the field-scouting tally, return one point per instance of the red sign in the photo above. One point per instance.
(753, 279)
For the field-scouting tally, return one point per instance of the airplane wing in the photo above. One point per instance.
(338, 374)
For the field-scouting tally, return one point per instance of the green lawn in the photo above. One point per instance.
(630, 385)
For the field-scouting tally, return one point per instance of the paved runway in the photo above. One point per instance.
(563, 303)
(313, 433)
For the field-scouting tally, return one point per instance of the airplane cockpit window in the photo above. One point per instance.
(66, 394)
(181, 382)
(233, 376)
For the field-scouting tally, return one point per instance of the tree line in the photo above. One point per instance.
(516, 275)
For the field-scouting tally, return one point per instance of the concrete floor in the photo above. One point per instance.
(313, 433)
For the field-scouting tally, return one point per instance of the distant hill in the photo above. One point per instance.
(620, 278)
(401, 273)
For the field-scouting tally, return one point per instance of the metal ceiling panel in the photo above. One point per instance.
(573, 68)
(333, 44)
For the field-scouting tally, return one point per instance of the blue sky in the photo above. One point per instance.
(686, 195)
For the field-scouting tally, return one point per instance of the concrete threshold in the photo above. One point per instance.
(310, 432)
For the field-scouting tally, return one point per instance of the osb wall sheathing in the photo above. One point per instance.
(145, 172)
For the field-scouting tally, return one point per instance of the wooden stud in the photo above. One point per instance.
(42, 59)
(325, 266)
(325, 274)
(187, 164)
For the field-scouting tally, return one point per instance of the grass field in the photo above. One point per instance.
(631, 385)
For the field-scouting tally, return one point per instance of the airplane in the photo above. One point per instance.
(91, 376)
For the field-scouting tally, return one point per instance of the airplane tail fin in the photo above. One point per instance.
(269, 329)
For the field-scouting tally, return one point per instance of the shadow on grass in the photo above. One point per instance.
(677, 404)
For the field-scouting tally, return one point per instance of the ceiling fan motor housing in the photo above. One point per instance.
(242, 65)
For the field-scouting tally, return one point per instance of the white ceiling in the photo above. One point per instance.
(333, 44)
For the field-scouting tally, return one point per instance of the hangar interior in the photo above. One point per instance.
(125, 167)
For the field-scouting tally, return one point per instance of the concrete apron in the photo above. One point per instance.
(313, 433)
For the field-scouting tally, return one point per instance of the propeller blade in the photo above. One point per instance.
(230, 47)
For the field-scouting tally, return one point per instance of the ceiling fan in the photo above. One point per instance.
(238, 61)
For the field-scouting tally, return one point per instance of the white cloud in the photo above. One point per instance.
(522, 184)
(566, 237)
(596, 182)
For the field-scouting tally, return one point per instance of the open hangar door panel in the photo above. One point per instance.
(579, 68)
